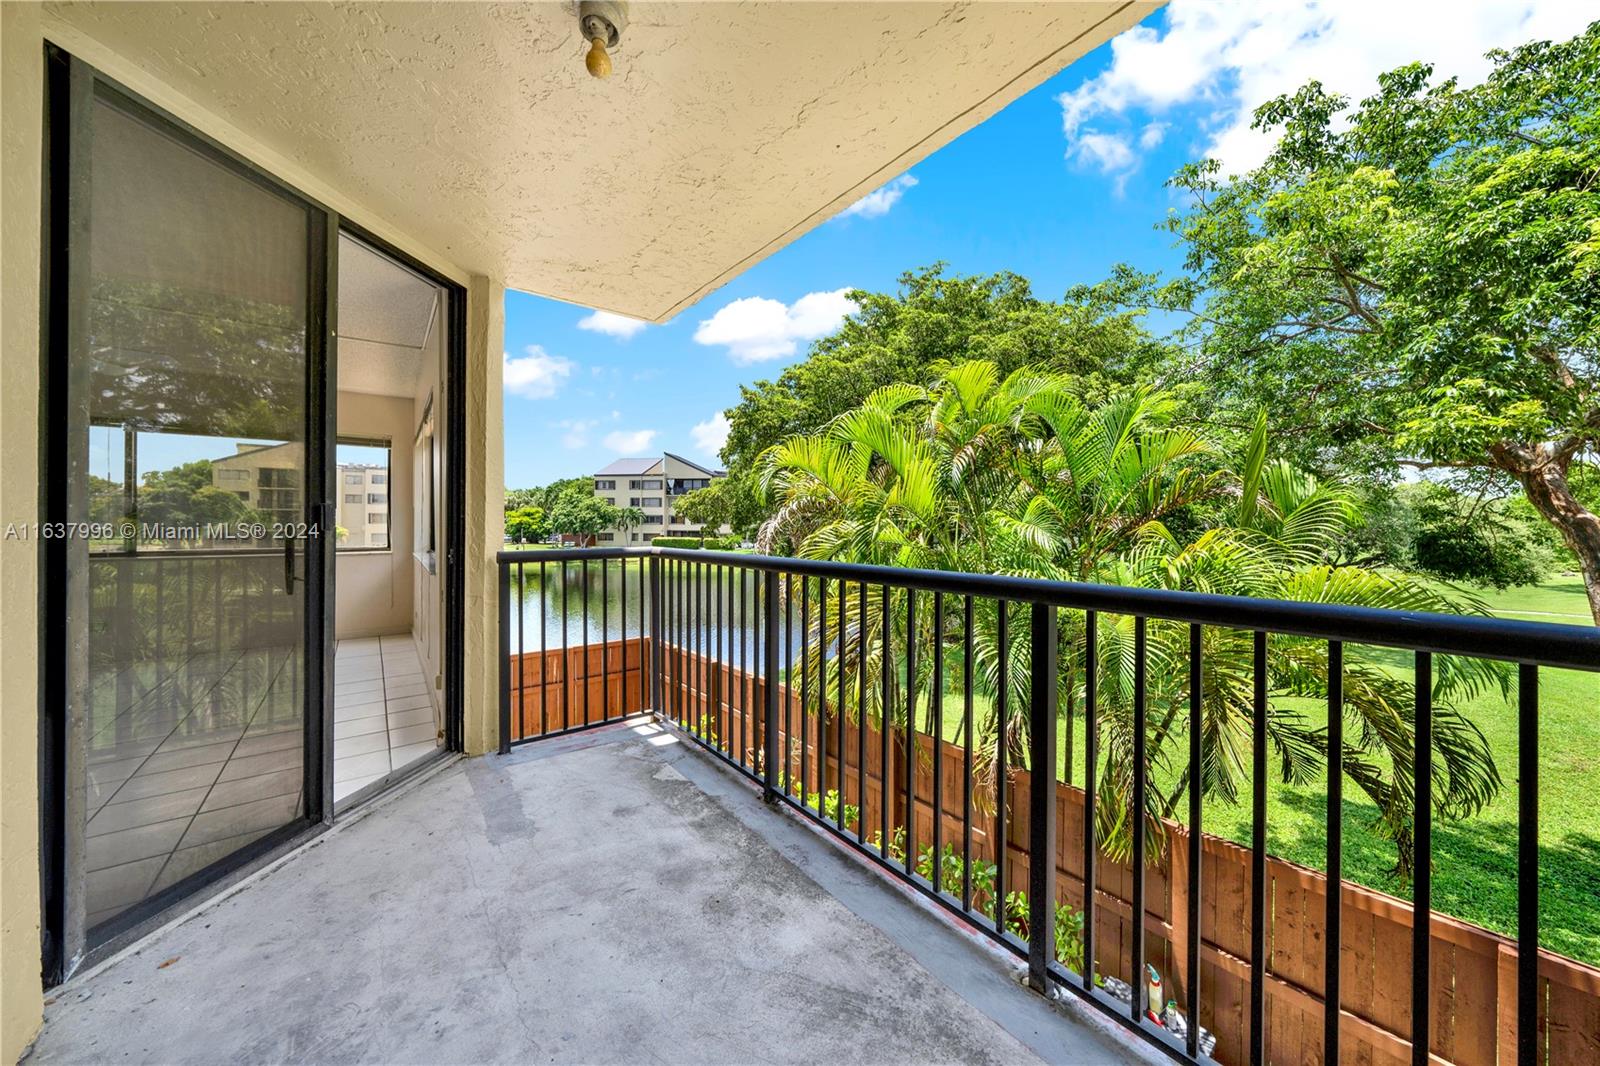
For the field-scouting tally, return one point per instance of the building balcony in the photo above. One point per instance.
(812, 682)
(607, 897)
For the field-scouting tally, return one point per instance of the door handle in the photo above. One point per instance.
(288, 566)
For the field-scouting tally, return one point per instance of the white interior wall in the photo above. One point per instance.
(372, 594)
(427, 569)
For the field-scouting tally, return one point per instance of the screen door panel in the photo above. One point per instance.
(190, 458)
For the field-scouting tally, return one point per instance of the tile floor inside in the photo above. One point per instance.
(190, 758)
(383, 718)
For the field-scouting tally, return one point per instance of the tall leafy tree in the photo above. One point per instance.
(584, 516)
(934, 319)
(1413, 280)
(1017, 475)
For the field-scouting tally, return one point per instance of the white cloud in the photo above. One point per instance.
(537, 375)
(612, 325)
(1110, 153)
(629, 441)
(1152, 135)
(575, 432)
(1225, 60)
(880, 200)
(756, 329)
(710, 435)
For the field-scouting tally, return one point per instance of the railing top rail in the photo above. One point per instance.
(1540, 643)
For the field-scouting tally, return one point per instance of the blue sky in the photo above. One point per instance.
(1058, 187)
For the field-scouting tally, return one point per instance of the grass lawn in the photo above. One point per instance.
(1475, 862)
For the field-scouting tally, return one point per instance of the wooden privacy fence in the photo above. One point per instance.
(1472, 975)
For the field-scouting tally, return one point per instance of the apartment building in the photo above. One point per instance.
(653, 485)
(362, 512)
(265, 476)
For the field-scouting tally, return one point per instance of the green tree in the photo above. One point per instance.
(1017, 475)
(184, 495)
(936, 319)
(583, 516)
(1420, 273)
(729, 501)
(629, 519)
(527, 525)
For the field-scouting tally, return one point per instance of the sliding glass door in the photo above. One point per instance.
(192, 417)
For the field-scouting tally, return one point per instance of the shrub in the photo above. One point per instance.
(712, 543)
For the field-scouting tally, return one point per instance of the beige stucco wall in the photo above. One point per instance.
(21, 72)
(23, 32)
(486, 484)
(372, 591)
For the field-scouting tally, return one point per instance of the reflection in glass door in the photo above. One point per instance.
(193, 454)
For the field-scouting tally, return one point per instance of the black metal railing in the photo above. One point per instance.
(850, 693)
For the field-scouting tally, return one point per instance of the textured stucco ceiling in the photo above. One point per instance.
(386, 316)
(727, 130)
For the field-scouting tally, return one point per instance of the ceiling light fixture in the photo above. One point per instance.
(602, 23)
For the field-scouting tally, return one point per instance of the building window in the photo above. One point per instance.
(650, 501)
(652, 520)
(604, 486)
(605, 536)
(645, 483)
(362, 462)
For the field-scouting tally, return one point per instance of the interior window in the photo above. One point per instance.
(362, 521)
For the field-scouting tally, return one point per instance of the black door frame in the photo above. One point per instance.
(70, 87)
(454, 323)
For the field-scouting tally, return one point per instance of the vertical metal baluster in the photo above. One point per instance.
(822, 698)
(544, 650)
(936, 727)
(911, 730)
(805, 691)
(966, 754)
(696, 595)
(702, 644)
(566, 657)
(769, 702)
(622, 625)
(1137, 816)
(657, 704)
(1044, 701)
(885, 655)
(1258, 858)
(741, 621)
(1422, 881)
(686, 646)
(1527, 865)
(1332, 931)
(674, 593)
(748, 649)
(716, 659)
(1196, 739)
(861, 712)
(788, 684)
(840, 714)
(522, 662)
(1002, 777)
(583, 575)
(505, 658)
(605, 640)
(1091, 759)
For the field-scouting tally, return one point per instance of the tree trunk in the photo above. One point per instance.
(1544, 480)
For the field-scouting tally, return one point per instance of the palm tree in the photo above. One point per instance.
(1018, 476)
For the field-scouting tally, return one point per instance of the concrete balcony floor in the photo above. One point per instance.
(606, 897)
